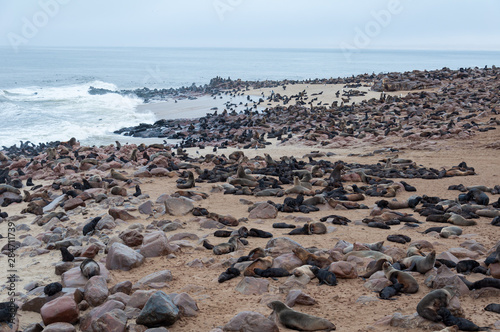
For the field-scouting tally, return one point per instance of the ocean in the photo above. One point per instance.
(44, 91)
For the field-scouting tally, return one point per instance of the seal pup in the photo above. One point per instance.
(494, 307)
(430, 303)
(52, 288)
(387, 292)
(233, 244)
(446, 232)
(303, 270)
(462, 323)
(398, 238)
(466, 266)
(90, 268)
(66, 255)
(272, 272)
(90, 226)
(299, 321)
(324, 276)
(486, 282)
(283, 225)
(419, 263)
(229, 274)
(409, 283)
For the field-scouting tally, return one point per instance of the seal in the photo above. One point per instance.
(430, 303)
(283, 225)
(233, 244)
(308, 258)
(90, 268)
(419, 263)
(253, 255)
(398, 238)
(446, 232)
(299, 321)
(466, 266)
(262, 263)
(66, 255)
(324, 276)
(409, 283)
(52, 289)
(254, 232)
(387, 292)
(494, 307)
(272, 272)
(462, 323)
(229, 274)
(189, 183)
(486, 282)
(372, 268)
(303, 270)
(90, 226)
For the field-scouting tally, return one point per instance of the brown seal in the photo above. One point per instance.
(299, 321)
(406, 279)
(430, 304)
(307, 258)
(420, 263)
(262, 263)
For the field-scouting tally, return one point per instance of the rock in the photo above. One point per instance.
(485, 293)
(121, 257)
(115, 321)
(343, 270)
(473, 245)
(146, 208)
(62, 309)
(296, 296)
(122, 287)
(120, 214)
(155, 244)
(156, 277)
(446, 277)
(97, 312)
(495, 270)
(73, 203)
(158, 311)
(96, 291)
(250, 321)
(250, 285)
(181, 236)
(122, 297)
(414, 322)
(178, 206)
(131, 237)
(31, 241)
(210, 224)
(263, 211)
(136, 328)
(397, 254)
(59, 327)
(448, 256)
(294, 282)
(139, 298)
(287, 261)
(74, 278)
(377, 284)
(186, 304)
(462, 253)
(90, 251)
(281, 245)
(119, 191)
(106, 222)
(54, 204)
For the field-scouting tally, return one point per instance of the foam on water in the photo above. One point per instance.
(41, 114)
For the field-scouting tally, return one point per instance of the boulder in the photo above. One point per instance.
(343, 270)
(139, 298)
(287, 261)
(156, 277)
(250, 285)
(73, 203)
(122, 257)
(62, 309)
(74, 278)
(59, 327)
(97, 312)
(281, 245)
(250, 321)
(178, 206)
(96, 291)
(123, 287)
(158, 311)
(131, 237)
(155, 244)
(296, 296)
(186, 304)
(146, 208)
(263, 211)
(120, 214)
(113, 321)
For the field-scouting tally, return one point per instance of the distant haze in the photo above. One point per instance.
(360, 24)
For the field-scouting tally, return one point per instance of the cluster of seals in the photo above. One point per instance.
(409, 283)
(299, 321)
(432, 302)
(462, 323)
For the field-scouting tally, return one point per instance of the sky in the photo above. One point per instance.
(351, 24)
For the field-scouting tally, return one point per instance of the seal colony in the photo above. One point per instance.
(303, 230)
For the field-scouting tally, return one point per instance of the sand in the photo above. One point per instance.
(218, 303)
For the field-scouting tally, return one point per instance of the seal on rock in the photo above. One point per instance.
(90, 268)
(52, 289)
(430, 303)
(409, 283)
(419, 263)
(299, 321)
(66, 255)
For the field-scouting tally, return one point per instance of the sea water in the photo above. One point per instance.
(44, 91)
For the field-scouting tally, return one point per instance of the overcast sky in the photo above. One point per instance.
(394, 24)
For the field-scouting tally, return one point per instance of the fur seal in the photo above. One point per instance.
(466, 266)
(52, 289)
(66, 255)
(90, 268)
(254, 232)
(494, 307)
(262, 263)
(299, 321)
(229, 274)
(486, 282)
(272, 272)
(189, 183)
(409, 283)
(283, 225)
(233, 244)
(446, 232)
(90, 226)
(303, 270)
(462, 323)
(399, 238)
(419, 263)
(307, 258)
(253, 255)
(372, 268)
(324, 276)
(430, 303)
(387, 292)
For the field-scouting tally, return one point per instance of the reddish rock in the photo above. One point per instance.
(61, 309)
(120, 214)
(186, 304)
(178, 206)
(90, 251)
(287, 261)
(131, 237)
(59, 327)
(113, 321)
(97, 312)
(73, 203)
(139, 298)
(122, 297)
(123, 287)
(297, 296)
(74, 278)
(96, 291)
(495, 270)
(121, 257)
(343, 270)
(156, 277)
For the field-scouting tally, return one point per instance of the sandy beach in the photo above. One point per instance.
(350, 305)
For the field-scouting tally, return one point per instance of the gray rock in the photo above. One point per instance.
(96, 291)
(376, 285)
(155, 244)
(281, 245)
(121, 257)
(146, 208)
(186, 304)
(250, 321)
(178, 206)
(296, 296)
(446, 277)
(158, 311)
(106, 222)
(114, 320)
(250, 285)
(156, 277)
(263, 211)
(139, 298)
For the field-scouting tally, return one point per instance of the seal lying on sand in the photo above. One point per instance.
(462, 323)
(299, 321)
(232, 245)
(406, 279)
